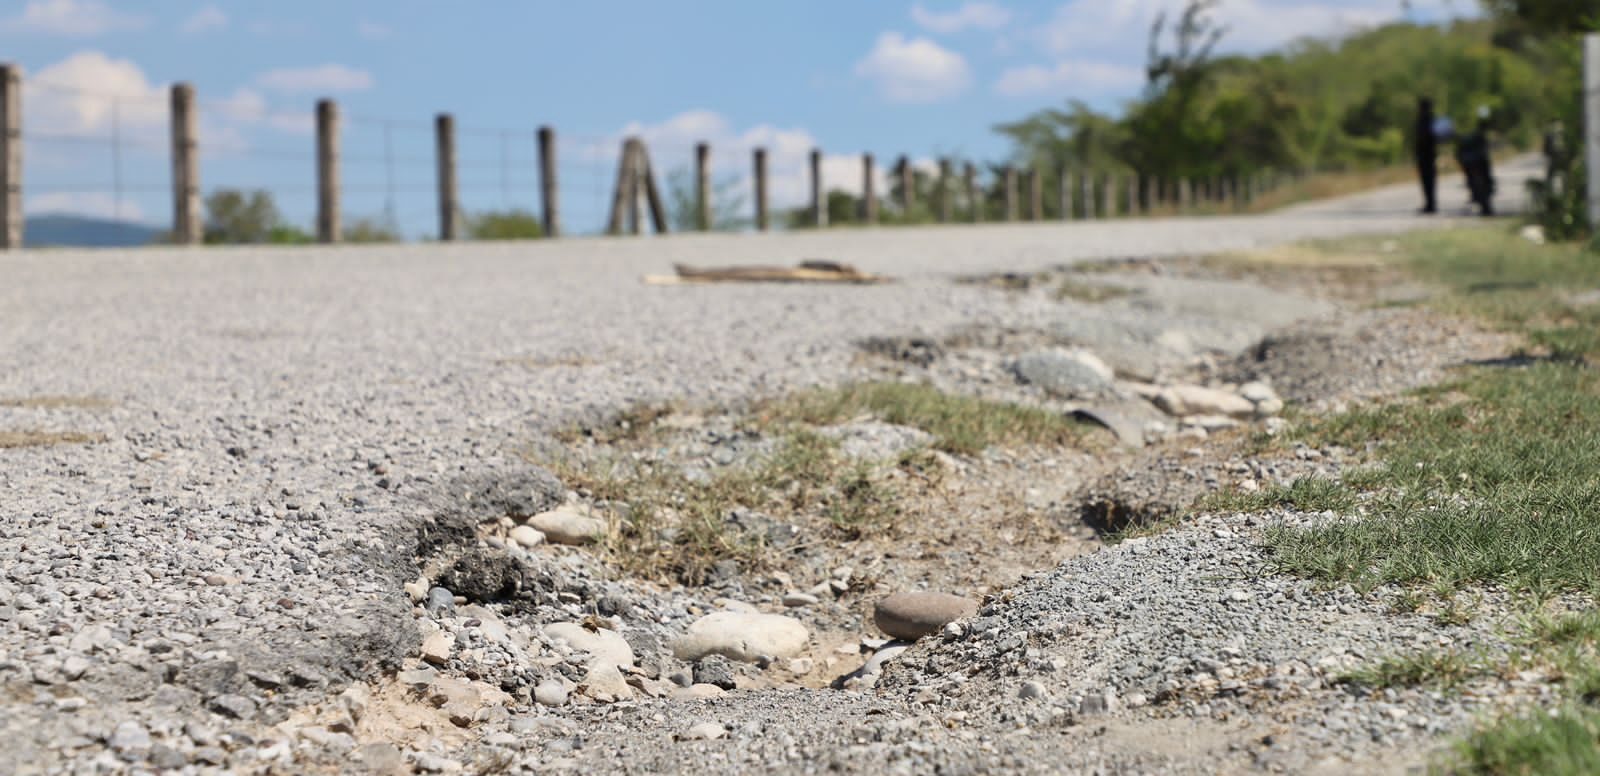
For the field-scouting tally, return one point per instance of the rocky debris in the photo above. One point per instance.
(1065, 373)
(436, 647)
(912, 615)
(918, 351)
(1187, 400)
(876, 441)
(604, 646)
(705, 731)
(604, 682)
(569, 524)
(551, 692)
(714, 670)
(743, 636)
(526, 536)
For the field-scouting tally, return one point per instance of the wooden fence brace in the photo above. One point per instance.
(946, 191)
(969, 175)
(702, 186)
(444, 134)
(11, 220)
(635, 172)
(819, 204)
(869, 191)
(186, 225)
(908, 186)
(549, 191)
(620, 207)
(759, 160)
(1036, 193)
(652, 195)
(1064, 192)
(1009, 181)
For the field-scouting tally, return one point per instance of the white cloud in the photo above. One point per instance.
(71, 18)
(80, 94)
(914, 70)
(977, 15)
(373, 30)
(1069, 79)
(207, 18)
(1119, 29)
(320, 78)
(96, 204)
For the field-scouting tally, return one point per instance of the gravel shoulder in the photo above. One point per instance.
(286, 435)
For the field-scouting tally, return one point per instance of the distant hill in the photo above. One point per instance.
(60, 229)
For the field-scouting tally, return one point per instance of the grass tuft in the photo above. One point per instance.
(1437, 669)
(960, 424)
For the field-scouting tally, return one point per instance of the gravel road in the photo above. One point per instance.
(276, 422)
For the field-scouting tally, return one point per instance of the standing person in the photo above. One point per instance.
(1426, 147)
(1473, 154)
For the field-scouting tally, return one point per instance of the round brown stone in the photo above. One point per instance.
(914, 615)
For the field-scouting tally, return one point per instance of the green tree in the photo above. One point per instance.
(729, 207)
(513, 224)
(235, 216)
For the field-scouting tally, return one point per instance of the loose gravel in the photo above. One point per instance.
(288, 433)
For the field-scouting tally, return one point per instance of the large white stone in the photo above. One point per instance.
(603, 645)
(1184, 400)
(742, 636)
(569, 524)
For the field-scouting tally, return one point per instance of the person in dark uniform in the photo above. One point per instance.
(1473, 154)
(1426, 147)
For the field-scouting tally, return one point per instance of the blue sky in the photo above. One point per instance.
(924, 78)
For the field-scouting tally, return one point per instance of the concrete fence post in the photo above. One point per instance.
(702, 186)
(969, 176)
(759, 160)
(186, 226)
(1009, 181)
(869, 191)
(329, 227)
(11, 221)
(1591, 122)
(819, 204)
(946, 191)
(549, 191)
(444, 135)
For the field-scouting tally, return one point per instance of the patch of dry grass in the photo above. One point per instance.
(30, 438)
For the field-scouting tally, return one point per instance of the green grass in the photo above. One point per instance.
(960, 424)
(1071, 288)
(1435, 669)
(1491, 480)
(1555, 743)
(1499, 484)
(673, 527)
(1312, 494)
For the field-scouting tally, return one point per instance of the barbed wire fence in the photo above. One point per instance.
(122, 157)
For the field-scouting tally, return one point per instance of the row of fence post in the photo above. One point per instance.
(1076, 193)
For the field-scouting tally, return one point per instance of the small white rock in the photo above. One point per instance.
(568, 525)
(705, 731)
(527, 536)
(436, 647)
